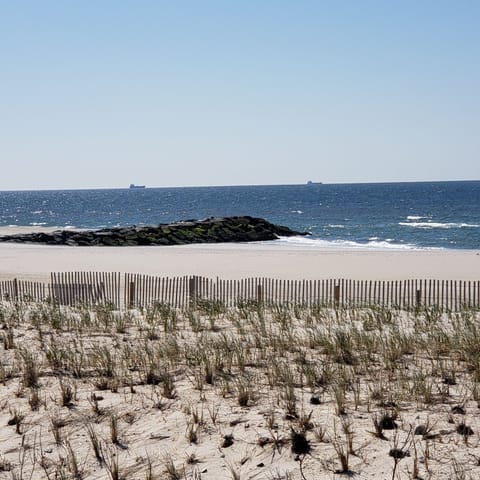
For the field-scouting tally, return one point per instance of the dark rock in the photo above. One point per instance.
(211, 230)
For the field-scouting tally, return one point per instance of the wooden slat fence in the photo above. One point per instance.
(144, 290)
(23, 290)
(88, 288)
(137, 290)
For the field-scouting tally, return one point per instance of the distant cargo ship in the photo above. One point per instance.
(133, 186)
(313, 183)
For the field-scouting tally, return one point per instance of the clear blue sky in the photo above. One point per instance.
(102, 93)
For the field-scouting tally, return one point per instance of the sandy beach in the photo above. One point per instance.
(211, 393)
(230, 261)
(266, 408)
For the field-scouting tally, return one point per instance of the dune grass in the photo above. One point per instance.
(284, 392)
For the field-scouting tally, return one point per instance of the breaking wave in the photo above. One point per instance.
(346, 244)
(428, 225)
(416, 217)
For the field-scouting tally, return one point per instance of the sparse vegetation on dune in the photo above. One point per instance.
(265, 392)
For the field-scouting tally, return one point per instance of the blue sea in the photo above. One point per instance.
(422, 215)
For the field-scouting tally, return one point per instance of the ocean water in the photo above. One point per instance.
(380, 216)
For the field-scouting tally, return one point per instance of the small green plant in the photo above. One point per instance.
(67, 393)
(171, 471)
(113, 467)
(96, 443)
(31, 372)
(244, 393)
(72, 462)
(169, 390)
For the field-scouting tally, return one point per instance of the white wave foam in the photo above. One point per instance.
(428, 225)
(415, 217)
(345, 244)
(42, 225)
(336, 226)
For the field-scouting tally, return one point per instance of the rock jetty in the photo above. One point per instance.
(211, 230)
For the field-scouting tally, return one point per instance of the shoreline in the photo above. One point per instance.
(300, 242)
(241, 260)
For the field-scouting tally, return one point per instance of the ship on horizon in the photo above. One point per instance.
(313, 183)
(133, 186)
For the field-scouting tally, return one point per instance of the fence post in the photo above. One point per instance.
(131, 295)
(260, 294)
(15, 289)
(418, 298)
(336, 294)
(192, 290)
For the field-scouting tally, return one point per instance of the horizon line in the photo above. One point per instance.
(154, 187)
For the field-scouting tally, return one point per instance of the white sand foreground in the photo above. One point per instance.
(230, 261)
